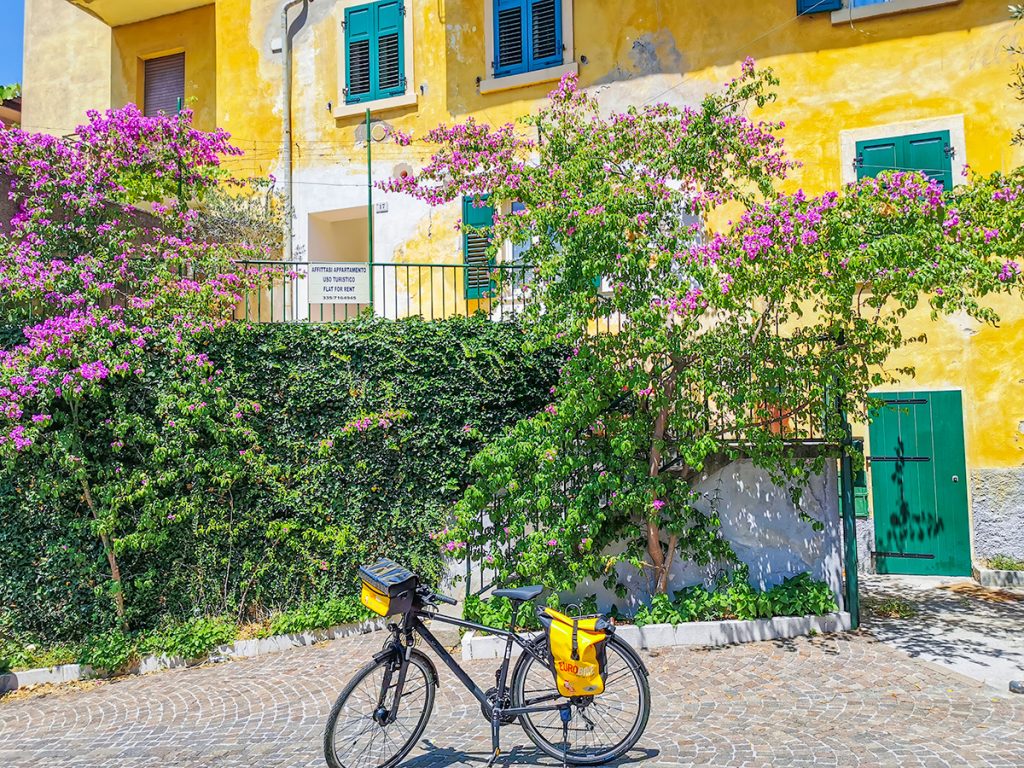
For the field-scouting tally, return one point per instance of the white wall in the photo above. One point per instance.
(761, 523)
(764, 529)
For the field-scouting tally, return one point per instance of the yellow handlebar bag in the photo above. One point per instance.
(578, 648)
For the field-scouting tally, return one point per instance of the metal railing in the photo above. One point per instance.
(294, 293)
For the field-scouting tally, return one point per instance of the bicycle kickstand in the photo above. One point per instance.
(565, 714)
(495, 743)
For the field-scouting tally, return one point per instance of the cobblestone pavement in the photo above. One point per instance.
(974, 630)
(823, 701)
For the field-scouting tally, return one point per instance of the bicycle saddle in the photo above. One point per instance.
(522, 594)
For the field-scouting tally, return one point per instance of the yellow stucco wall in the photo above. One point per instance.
(935, 63)
(66, 68)
(190, 31)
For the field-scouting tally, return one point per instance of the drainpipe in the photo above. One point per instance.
(287, 51)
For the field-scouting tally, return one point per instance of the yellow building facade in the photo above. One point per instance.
(898, 79)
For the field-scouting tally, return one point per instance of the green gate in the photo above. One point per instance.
(919, 484)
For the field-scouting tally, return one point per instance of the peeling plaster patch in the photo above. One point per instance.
(1020, 427)
(656, 53)
(964, 323)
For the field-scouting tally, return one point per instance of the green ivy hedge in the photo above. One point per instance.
(326, 498)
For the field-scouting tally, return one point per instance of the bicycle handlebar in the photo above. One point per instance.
(431, 596)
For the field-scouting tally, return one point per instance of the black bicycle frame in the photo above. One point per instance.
(413, 622)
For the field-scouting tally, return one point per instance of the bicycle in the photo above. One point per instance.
(383, 711)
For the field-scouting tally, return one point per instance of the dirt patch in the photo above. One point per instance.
(988, 594)
(47, 689)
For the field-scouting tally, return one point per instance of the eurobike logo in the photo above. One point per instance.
(575, 669)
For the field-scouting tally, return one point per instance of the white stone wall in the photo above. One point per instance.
(764, 528)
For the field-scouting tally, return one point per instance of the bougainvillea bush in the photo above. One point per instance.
(109, 399)
(727, 344)
(160, 461)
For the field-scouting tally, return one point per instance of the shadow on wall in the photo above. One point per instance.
(766, 530)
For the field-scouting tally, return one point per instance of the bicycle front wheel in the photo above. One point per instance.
(601, 728)
(363, 730)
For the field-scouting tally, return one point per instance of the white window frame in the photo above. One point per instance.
(848, 13)
(492, 84)
(409, 98)
(953, 123)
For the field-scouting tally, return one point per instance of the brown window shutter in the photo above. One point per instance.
(164, 84)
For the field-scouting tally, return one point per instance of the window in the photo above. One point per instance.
(163, 83)
(374, 51)
(527, 42)
(851, 10)
(475, 243)
(528, 36)
(930, 153)
(804, 7)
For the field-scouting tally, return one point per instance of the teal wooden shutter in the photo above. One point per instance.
(390, 49)
(509, 37)
(928, 153)
(545, 34)
(804, 7)
(476, 240)
(860, 485)
(873, 157)
(359, 44)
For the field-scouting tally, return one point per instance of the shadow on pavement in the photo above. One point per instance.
(435, 757)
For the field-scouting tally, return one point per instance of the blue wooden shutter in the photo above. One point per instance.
(510, 56)
(519, 250)
(359, 54)
(476, 240)
(817, 6)
(390, 49)
(545, 34)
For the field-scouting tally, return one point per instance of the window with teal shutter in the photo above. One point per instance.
(803, 7)
(929, 153)
(527, 35)
(476, 240)
(374, 51)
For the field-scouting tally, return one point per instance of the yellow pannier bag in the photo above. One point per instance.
(578, 648)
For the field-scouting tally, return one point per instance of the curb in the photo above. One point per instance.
(989, 578)
(699, 633)
(240, 649)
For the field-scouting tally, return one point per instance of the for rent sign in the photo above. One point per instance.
(339, 283)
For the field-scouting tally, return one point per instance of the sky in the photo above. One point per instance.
(12, 25)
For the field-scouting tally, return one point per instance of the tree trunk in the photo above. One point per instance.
(108, 550)
(660, 561)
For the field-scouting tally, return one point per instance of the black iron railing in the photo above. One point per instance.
(294, 291)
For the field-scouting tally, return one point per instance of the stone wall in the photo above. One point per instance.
(765, 529)
(997, 512)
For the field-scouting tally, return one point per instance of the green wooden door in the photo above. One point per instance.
(919, 485)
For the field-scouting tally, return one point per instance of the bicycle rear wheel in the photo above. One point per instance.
(358, 735)
(601, 728)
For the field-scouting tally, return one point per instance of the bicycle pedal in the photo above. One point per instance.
(493, 759)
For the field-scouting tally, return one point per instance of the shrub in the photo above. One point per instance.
(109, 651)
(734, 598)
(1005, 563)
(325, 615)
(283, 520)
(189, 640)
